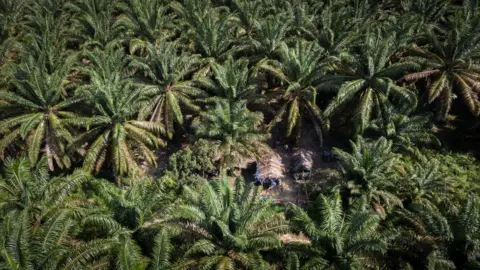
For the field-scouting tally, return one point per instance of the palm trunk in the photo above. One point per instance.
(117, 179)
(49, 156)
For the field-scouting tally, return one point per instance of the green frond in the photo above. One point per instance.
(34, 142)
(162, 250)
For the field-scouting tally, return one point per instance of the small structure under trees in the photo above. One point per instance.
(270, 170)
(302, 163)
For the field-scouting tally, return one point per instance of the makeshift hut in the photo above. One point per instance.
(302, 162)
(270, 170)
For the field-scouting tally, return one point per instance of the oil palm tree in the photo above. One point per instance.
(141, 204)
(272, 32)
(365, 82)
(43, 38)
(12, 19)
(369, 173)
(407, 132)
(423, 240)
(464, 248)
(426, 186)
(235, 132)
(449, 65)
(146, 20)
(47, 224)
(209, 31)
(426, 12)
(228, 228)
(169, 88)
(94, 24)
(32, 189)
(300, 66)
(340, 240)
(38, 108)
(232, 81)
(128, 216)
(333, 32)
(248, 15)
(112, 134)
(37, 226)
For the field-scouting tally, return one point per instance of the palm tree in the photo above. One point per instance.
(11, 21)
(38, 110)
(228, 228)
(233, 81)
(248, 15)
(210, 32)
(464, 248)
(427, 13)
(94, 25)
(235, 132)
(30, 189)
(341, 240)
(450, 64)
(426, 186)
(145, 20)
(48, 224)
(141, 204)
(112, 134)
(365, 83)
(369, 172)
(130, 216)
(334, 33)
(38, 224)
(44, 39)
(169, 88)
(299, 67)
(407, 132)
(422, 240)
(271, 33)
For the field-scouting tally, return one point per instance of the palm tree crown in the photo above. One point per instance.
(111, 133)
(342, 238)
(234, 130)
(38, 111)
(299, 68)
(168, 85)
(365, 81)
(451, 64)
(229, 226)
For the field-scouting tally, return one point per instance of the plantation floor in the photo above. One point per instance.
(289, 189)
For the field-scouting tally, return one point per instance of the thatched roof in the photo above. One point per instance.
(270, 167)
(302, 160)
(299, 238)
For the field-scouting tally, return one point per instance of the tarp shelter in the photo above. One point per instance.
(302, 161)
(270, 169)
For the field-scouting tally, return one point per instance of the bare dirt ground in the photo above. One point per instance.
(295, 191)
(289, 190)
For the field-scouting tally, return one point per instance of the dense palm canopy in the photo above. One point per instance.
(450, 66)
(38, 109)
(370, 173)
(407, 132)
(229, 226)
(37, 224)
(365, 81)
(112, 134)
(144, 20)
(233, 81)
(169, 90)
(345, 240)
(92, 91)
(235, 132)
(300, 66)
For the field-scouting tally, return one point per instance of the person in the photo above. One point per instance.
(326, 156)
